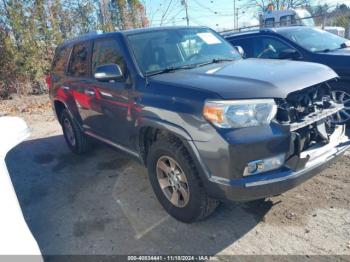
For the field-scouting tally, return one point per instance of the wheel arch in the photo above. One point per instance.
(59, 107)
(151, 130)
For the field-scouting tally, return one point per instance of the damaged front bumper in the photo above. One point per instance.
(316, 155)
(278, 181)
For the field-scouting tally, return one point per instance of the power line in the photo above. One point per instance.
(176, 15)
(166, 11)
(174, 8)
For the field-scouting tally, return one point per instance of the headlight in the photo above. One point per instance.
(240, 113)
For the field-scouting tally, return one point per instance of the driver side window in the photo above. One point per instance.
(269, 48)
(106, 51)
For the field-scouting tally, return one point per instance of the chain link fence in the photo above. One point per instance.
(336, 23)
(340, 20)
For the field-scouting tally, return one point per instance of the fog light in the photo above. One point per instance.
(264, 165)
(252, 167)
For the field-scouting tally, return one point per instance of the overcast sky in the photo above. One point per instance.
(217, 14)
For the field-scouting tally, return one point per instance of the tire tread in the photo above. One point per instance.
(207, 204)
(82, 141)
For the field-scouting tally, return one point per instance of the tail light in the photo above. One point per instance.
(48, 81)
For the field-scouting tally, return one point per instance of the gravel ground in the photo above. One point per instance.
(102, 203)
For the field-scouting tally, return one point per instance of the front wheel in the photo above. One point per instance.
(342, 95)
(176, 182)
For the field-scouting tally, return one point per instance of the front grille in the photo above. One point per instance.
(308, 113)
(301, 104)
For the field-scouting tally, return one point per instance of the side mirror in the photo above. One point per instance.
(290, 54)
(105, 73)
(240, 50)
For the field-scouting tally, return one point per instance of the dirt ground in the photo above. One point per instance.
(102, 203)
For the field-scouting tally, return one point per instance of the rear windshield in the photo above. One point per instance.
(158, 50)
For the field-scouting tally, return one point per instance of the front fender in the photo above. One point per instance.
(164, 125)
(188, 142)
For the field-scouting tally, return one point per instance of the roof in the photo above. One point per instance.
(237, 33)
(288, 28)
(155, 29)
(94, 35)
(264, 30)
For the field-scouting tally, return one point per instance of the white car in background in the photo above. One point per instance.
(15, 236)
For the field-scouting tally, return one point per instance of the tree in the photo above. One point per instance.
(30, 30)
(278, 4)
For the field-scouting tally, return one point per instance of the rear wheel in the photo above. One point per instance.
(176, 182)
(76, 140)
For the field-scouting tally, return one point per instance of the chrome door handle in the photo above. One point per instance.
(89, 92)
(65, 87)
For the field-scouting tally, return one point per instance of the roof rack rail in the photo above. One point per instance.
(84, 36)
(240, 30)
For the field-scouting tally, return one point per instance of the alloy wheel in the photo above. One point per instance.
(173, 181)
(69, 131)
(343, 116)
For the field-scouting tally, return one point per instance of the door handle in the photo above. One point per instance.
(89, 92)
(65, 87)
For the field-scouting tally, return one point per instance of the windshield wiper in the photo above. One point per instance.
(174, 68)
(327, 50)
(215, 61)
(169, 69)
(344, 45)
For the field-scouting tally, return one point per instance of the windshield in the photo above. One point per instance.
(315, 40)
(305, 17)
(179, 48)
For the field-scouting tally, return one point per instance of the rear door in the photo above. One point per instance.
(77, 84)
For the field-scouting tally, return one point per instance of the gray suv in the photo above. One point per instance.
(207, 124)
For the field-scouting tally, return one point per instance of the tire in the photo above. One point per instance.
(198, 205)
(76, 140)
(341, 93)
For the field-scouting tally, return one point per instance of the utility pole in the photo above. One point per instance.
(234, 14)
(237, 9)
(184, 3)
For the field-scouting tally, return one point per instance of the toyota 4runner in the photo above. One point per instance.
(207, 124)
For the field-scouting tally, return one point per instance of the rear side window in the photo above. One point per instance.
(245, 43)
(79, 65)
(268, 47)
(60, 60)
(105, 52)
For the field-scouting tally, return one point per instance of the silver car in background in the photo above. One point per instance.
(15, 236)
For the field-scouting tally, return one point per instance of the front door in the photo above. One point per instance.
(111, 106)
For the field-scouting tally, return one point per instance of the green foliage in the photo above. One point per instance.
(342, 17)
(31, 29)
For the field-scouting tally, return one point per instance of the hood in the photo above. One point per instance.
(250, 78)
(339, 52)
(338, 60)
